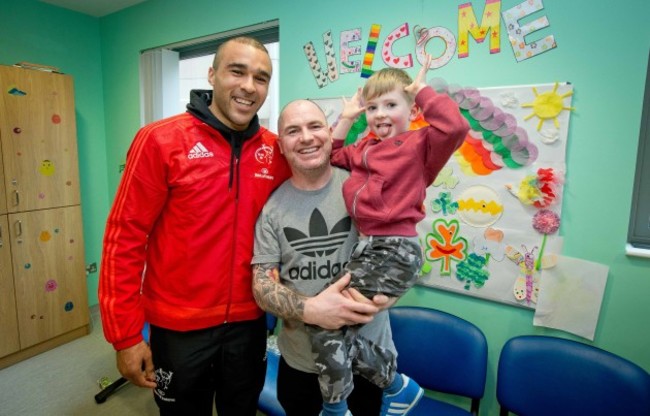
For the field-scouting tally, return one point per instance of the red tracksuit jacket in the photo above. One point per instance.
(186, 207)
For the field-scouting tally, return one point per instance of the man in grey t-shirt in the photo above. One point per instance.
(303, 238)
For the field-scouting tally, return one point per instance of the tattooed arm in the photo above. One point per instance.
(330, 309)
(274, 297)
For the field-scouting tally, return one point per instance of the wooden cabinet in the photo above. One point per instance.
(43, 297)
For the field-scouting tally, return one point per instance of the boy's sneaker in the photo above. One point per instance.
(347, 413)
(403, 401)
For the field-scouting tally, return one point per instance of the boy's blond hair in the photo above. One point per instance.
(385, 80)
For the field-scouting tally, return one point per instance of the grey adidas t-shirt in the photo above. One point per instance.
(310, 235)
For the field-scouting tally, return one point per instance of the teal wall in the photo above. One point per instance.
(602, 49)
(40, 33)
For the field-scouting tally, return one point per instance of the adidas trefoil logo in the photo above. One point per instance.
(320, 241)
(199, 151)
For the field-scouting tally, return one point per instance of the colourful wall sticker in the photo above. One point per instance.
(13, 90)
(46, 168)
(51, 285)
(45, 236)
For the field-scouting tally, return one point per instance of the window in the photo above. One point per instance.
(639, 230)
(168, 73)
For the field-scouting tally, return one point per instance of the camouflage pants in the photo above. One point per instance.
(339, 354)
(388, 265)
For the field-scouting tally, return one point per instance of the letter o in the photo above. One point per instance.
(425, 35)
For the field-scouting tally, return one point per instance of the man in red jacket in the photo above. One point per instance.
(186, 207)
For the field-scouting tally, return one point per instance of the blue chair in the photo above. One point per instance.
(542, 375)
(443, 353)
(268, 402)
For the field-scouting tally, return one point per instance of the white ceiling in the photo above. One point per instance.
(97, 8)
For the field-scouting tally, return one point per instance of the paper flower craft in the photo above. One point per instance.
(540, 190)
(545, 222)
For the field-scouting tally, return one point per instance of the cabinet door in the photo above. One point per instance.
(3, 199)
(8, 322)
(50, 277)
(38, 133)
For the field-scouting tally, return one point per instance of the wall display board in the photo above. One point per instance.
(494, 211)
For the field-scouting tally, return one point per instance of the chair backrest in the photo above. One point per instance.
(440, 351)
(542, 375)
(268, 401)
(271, 322)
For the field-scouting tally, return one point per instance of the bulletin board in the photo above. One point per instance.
(493, 213)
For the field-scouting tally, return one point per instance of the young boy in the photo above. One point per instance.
(384, 195)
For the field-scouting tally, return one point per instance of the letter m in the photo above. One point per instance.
(490, 23)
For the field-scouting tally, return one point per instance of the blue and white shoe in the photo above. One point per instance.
(403, 401)
(347, 413)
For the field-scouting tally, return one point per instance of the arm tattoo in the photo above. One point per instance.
(273, 296)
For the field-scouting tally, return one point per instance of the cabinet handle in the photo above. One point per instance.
(18, 228)
(0, 236)
(16, 198)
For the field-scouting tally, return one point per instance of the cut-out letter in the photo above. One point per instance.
(348, 51)
(405, 61)
(369, 57)
(517, 33)
(490, 23)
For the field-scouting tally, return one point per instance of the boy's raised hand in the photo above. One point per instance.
(420, 80)
(353, 108)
